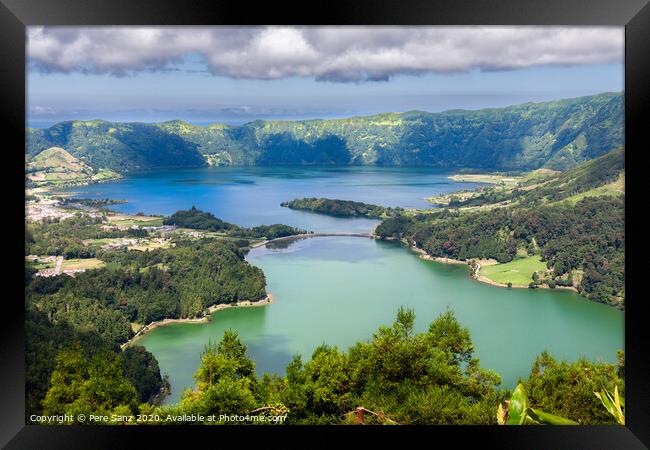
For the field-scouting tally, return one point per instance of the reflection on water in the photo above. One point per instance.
(283, 244)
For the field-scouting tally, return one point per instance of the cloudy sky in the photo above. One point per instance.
(238, 74)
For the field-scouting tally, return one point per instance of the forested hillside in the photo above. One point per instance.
(556, 135)
(93, 312)
(575, 221)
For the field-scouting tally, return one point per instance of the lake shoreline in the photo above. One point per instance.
(474, 271)
(269, 299)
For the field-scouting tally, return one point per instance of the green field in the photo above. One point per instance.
(102, 241)
(41, 265)
(160, 266)
(518, 271)
(87, 263)
(490, 178)
(149, 245)
(140, 221)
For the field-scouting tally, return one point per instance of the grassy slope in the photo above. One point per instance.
(614, 188)
(590, 179)
(518, 271)
(604, 175)
(56, 166)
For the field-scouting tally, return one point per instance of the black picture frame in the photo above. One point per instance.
(633, 14)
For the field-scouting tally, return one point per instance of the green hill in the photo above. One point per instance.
(555, 135)
(604, 175)
(562, 229)
(56, 166)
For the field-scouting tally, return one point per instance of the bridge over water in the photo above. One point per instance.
(310, 235)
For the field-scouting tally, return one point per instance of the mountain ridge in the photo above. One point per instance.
(557, 134)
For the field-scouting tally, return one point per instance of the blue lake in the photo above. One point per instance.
(250, 196)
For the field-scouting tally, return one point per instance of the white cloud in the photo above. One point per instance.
(346, 54)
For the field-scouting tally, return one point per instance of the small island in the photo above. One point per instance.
(342, 208)
(200, 220)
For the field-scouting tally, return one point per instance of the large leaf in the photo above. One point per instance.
(518, 406)
(520, 412)
(613, 403)
(620, 401)
(549, 419)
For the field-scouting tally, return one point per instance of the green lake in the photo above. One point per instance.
(339, 290)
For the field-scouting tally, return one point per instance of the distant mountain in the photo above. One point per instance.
(555, 135)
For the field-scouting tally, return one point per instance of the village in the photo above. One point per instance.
(41, 207)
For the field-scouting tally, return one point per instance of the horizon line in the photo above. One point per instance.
(622, 92)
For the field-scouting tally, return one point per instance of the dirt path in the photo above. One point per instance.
(59, 264)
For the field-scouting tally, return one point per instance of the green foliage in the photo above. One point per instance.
(141, 369)
(407, 377)
(588, 236)
(400, 376)
(97, 306)
(590, 177)
(555, 134)
(200, 220)
(225, 380)
(66, 237)
(97, 386)
(342, 208)
(227, 359)
(119, 147)
(43, 339)
(98, 203)
(286, 148)
(412, 377)
(613, 403)
(567, 388)
(86, 315)
(55, 166)
(273, 231)
(195, 275)
(521, 413)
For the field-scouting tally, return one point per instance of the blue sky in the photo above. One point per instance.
(246, 73)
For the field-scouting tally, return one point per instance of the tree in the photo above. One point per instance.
(225, 380)
(411, 377)
(142, 370)
(97, 386)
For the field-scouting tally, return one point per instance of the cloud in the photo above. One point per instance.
(327, 53)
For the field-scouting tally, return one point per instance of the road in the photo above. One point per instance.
(59, 263)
